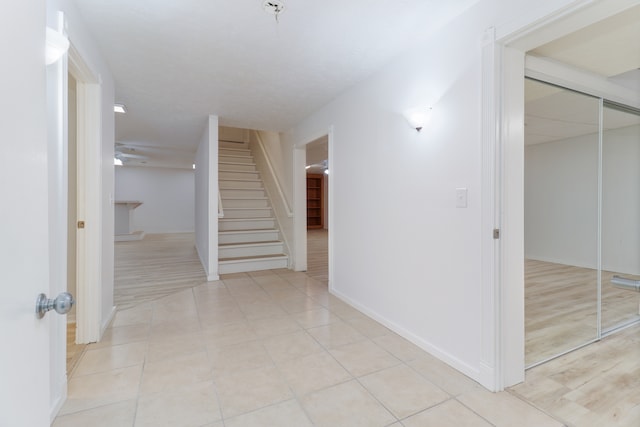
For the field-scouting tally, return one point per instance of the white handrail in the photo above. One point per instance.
(274, 175)
(220, 209)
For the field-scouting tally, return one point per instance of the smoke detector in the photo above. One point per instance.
(274, 7)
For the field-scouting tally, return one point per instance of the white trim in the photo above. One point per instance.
(107, 320)
(560, 74)
(213, 266)
(89, 244)
(59, 401)
(299, 208)
(331, 212)
(490, 366)
(300, 202)
(437, 352)
(511, 293)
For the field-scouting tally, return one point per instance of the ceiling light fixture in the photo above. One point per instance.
(274, 7)
(119, 108)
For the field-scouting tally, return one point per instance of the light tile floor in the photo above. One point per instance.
(271, 348)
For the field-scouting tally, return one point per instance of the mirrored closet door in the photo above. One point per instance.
(582, 219)
(620, 215)
(561, 220)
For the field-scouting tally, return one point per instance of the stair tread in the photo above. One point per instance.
(241, 150)
(253, 258)
(265, 243)
(235, 163)
(234, 156)
(240, 179)
(249, 231)
(247, 208)
(244, 198)
(266, 218)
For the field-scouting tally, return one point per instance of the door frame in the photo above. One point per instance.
(89, 206)
(300, 203)
(503, 136)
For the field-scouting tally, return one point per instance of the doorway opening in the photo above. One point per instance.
(74, 350)
(317, 204)
(563, 49)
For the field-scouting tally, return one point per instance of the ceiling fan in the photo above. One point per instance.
(124, 153)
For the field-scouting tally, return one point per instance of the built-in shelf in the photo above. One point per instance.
(315, 200)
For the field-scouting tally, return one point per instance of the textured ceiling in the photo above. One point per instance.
(177, 61)
(610, 48)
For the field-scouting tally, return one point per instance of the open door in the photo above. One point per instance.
(24, 249)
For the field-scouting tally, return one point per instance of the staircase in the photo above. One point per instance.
(248, 238)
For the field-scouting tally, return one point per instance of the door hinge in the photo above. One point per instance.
(80, 224)
(496, 233)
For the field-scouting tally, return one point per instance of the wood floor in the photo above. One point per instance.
(596, 386)
(561, 308)
(317, 255)
(157, 266)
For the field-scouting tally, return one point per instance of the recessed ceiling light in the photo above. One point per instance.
(119, 108)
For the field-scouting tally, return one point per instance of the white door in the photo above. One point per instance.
(24, 230)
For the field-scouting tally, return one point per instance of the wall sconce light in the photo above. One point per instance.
(418, 117)
(57, 45)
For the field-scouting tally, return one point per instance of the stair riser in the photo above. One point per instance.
(238, 175)
(244, 203)
(228, 192)
(257, 224)
(225, 268)
(273, 249)
(248, 237)
(240, 184)
(235, 159)
(249, 167)
(230, 213)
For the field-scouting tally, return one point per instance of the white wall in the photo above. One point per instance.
(401, 250)
(167, 196)
(561, 184)
(206, 199)
(266, 150)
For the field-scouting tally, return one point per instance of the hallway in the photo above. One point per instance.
(271, 348)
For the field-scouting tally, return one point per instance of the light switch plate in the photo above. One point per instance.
(461, 197)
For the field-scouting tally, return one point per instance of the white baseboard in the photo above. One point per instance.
(107, 321)
(444, 356)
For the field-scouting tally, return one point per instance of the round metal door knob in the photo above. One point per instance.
(61, 304)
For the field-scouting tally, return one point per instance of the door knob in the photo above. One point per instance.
(61, 304)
